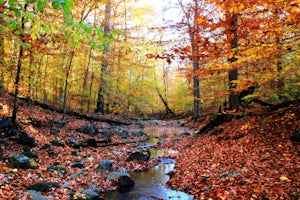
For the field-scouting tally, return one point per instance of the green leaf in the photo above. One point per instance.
(31, 16)
(58, 3)
(41, 5)
(74, 43)
(46, 28)
(13, 25)
(1, 1)
(30, 1)
(11, 3)
(86, 27)
(17, 13)
(69, 4)
(67, 14)
(100, 32)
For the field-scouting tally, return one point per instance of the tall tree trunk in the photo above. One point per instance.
(1, 49)
(163, 99)
(19, 66)
(101, 92)
(37, 79)
(30, 78)
(234, 102)
(66, 85)
(193, 30)
(90, 90)
(85, 78)
(11, 64)
(196, 78)
(195, 59)
(45, 77)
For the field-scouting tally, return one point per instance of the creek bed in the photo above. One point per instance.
(150, 184)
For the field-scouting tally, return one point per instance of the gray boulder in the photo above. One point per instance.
(88, 129)
(125, 183)
(106, 165)
(36, 195)
(138, 133)
(72, 143)
(90, 194)
(26, 139)
(120, 131)
(120, 172)
(139, 155)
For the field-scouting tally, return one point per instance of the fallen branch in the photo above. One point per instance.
(220, 118)
(262, 103)
(76, 114)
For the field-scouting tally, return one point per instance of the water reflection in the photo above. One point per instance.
(150, 185)
(159, 131)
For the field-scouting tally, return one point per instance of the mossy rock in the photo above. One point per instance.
(21, 162)
(59, 168)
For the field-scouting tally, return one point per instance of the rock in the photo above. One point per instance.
(59, 143)
(26, 139)
(120, 172)
(5, 124)
(125, 183)
(21, 162)
(52, 153)
(184, 132)
(120, 131)
(230, 173)
(75, 153)
(43, 186)
(78, 164)
(45, 147)
(91, 142)
(36, 195)
(139, 155)
(72, 143)
(296, 136)
(88, 129)
(138, 133)
(61, 169)
(89, 194)
(106, 165)
(124, 135)
(29, 153)
(54, 131)
(105, 133)
(57, 123)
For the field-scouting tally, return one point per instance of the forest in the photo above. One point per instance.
(87, 86)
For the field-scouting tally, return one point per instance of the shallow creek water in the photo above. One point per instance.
(150, 184)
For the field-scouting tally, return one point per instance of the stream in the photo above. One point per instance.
(150, 184)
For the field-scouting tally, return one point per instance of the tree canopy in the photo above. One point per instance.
(70, 54)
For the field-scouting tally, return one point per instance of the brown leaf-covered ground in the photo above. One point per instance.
(248, 158)
(13, 182)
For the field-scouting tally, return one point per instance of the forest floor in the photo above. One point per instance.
(248, 158)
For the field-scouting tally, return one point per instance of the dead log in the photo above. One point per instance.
(284, 104)
(76, 114)
(262, 103)
(218, 120)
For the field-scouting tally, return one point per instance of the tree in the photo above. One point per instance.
(192, 14)
(101, 92)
